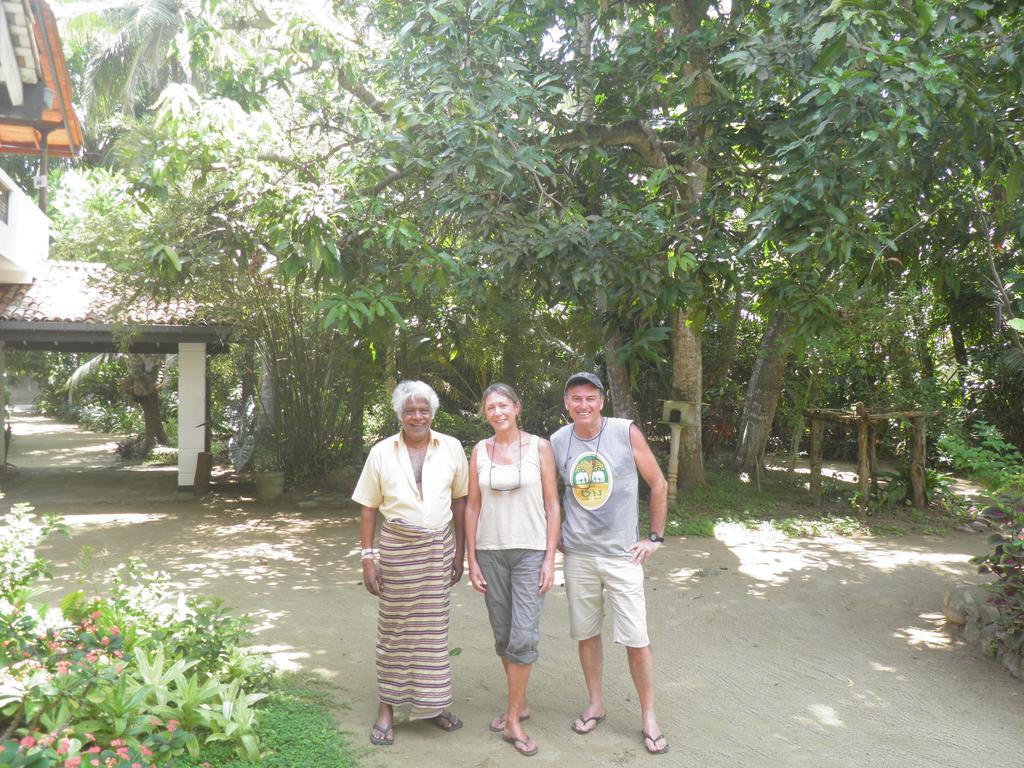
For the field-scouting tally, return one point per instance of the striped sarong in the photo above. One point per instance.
(412, 621)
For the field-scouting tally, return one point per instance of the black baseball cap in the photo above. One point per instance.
(583, 377)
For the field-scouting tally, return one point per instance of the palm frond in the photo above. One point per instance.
(85, 371)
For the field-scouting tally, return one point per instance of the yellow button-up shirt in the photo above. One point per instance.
(388, 484)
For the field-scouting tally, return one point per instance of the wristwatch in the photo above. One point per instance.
(656, 538)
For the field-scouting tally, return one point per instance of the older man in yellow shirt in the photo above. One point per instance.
(417, 481)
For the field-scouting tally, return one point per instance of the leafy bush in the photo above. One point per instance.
(999, 465)
(134, 677)
(1006, 562)
(295, 728)
(990, 458)
(897, 491)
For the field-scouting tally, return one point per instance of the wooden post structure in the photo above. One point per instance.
(673, 464)
(917, 456)
(817, 430)
(867, 424)
(863, 465)
(872, 456)
(677, 414)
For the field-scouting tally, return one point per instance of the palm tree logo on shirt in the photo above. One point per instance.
(591, 480)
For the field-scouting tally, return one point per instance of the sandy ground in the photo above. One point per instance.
(769, 651)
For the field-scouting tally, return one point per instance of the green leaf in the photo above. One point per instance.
(823, 33)
(1017, 323)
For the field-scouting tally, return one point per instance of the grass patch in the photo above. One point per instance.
(784, 503)
(295, 728)
(161, 456)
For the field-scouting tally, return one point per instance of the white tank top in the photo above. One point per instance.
(512, 519)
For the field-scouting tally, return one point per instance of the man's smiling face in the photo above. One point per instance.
(584, 403)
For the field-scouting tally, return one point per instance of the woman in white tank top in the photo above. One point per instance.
(512, 526)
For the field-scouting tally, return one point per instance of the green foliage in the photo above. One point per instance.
(295, 731)
(1006, 562)
(139, 675)
(988, 458)
(20, 565)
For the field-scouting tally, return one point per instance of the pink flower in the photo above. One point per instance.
(94, 761)
(72, 762)
(105, 641)
(93, 750)
(27, 743)
(122, 752)
(117, 743)
(63, 747)
(172, 725)
(95, 615)
(114, 631)
(146, 751)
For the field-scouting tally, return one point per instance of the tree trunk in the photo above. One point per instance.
(618, 382)
(155, 432)
(687, 353)
(729, 343)
(960, 354)
(623, 404)
(762, 396)
(687, 386)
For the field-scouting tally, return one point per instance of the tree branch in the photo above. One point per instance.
(637, 134)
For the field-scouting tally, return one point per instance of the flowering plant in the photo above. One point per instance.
(128, 680)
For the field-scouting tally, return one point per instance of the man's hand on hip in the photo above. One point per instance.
(641, 551)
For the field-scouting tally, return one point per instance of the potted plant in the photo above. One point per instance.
(268, 470)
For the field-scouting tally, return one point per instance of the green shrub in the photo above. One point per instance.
(989, 458)
(295, 729)
(138, 675)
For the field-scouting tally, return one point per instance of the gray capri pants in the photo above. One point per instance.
(513, 600)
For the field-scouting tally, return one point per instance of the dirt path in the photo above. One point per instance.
(770, 652)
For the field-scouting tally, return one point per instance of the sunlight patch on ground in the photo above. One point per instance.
(891, 559)
(254, 553)
(119, 518)
(765, 553)
(265, 620)
(683, 575)
(820, 717)
(27, 425)
(934, 637)
(285, 657)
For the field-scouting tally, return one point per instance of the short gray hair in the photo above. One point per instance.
(408, 390)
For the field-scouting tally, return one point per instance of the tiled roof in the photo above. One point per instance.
(80, 292)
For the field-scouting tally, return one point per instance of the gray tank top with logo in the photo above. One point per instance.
(601, 500)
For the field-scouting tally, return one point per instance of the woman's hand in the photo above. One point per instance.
(547, 574)
(371, 577)
(476, 576)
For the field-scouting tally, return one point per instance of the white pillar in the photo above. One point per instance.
(3, 408)
(191, 410)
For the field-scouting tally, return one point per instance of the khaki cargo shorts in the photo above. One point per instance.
(588, 578)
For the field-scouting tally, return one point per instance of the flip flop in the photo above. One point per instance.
(520, 745)
(501, 729)
(379, 735)
(596, 720)
(654, 743)
(450, 720)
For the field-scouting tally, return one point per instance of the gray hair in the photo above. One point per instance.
(409, 390)
(499, 389)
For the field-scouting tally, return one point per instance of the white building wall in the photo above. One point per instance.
(24, 237)
(191, 410)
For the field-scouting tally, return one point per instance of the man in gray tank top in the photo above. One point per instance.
(599, 459)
